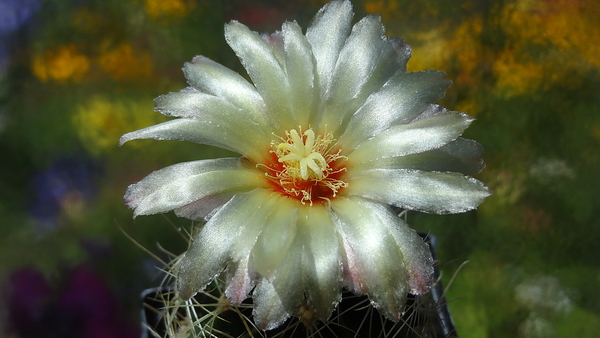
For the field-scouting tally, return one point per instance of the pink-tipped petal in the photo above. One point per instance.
(378, 266)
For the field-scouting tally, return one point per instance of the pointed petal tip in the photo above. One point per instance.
(402, 49)
(188, 282)
(182, 288)
(130, 204)
(421, 278)
(269, 312)
(125, 138)
(233, 27)
(196, 59)
(183, 293)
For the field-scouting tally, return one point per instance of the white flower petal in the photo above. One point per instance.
(412, 138)
(461, 155)
(417, 256)
(430, 111)
(301, 72)
(399, 101)
(240, 274)
(337, 93)
(392, 61)
(192, 103)
(247, 236)
(214, 110)
(219, 131)
(434, 192)
(277, 237)
(269, 311)
(275, 299)
(312, 268)
(180, 184)
(210, 251)
(239, 281)
(213, 78)
(379, 259)
(327, 34)
(275, 40)
(357, 60)
(265, 71)
(321, 264)
(204, 208)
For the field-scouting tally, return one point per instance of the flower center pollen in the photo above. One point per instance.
(306, 166)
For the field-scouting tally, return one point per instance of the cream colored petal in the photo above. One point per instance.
(183, 183)
(462, 156)
(412, 138)
(302, 74)
(192, 103)
(310, 272)
(434, 192)
(399, 101)
(248, 235)
(269, 311)
(321, 264)
(265, 71)
(392, 61)
(417, 255)
(204, 208)
(276, 298)
(275, 40)
(357, 60)
(217, 130)
(277, 237)
(211, 249)
(215, 111)
(327, 34)
(239, 280)
(376, 259)
(215, 79)
(240, 274)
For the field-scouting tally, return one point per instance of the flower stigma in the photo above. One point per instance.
(305, 166)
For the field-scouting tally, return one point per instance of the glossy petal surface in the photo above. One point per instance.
(381, 248)
(435, 192)
(332, 130)
(177, 185)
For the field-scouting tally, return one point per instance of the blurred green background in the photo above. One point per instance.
(76, 74)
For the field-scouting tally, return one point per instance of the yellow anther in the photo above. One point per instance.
(307, 161)
(300, 154)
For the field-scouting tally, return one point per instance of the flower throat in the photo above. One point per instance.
(305, 167)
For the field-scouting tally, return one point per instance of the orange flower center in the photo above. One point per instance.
(305, 166)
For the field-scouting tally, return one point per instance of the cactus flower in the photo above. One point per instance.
(332, 132)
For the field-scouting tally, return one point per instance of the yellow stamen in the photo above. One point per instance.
(307, 165)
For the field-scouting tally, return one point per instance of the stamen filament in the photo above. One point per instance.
(307, 170)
